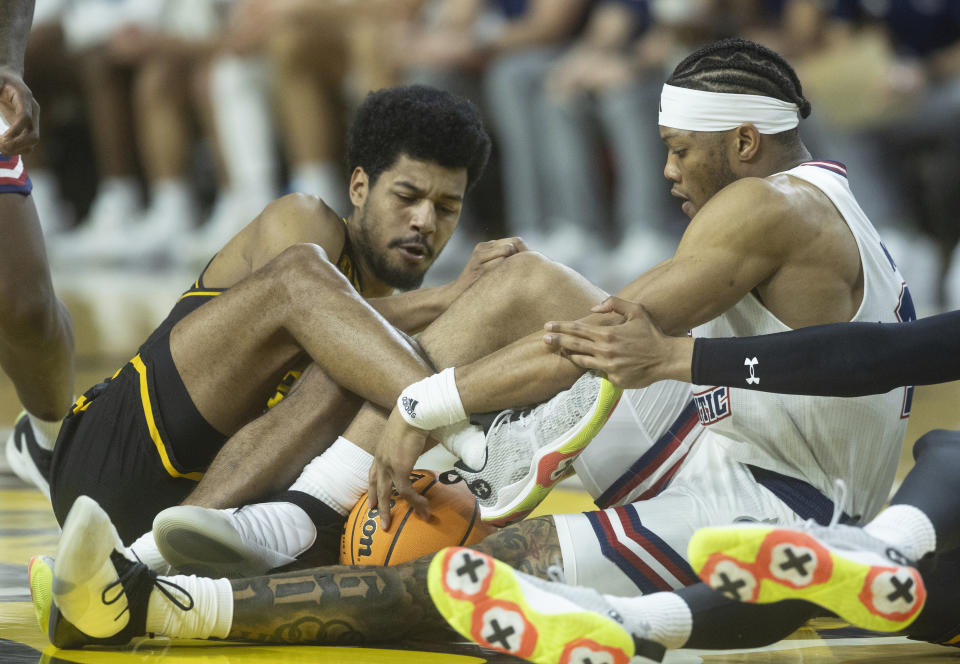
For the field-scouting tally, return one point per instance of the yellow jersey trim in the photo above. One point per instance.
(152, 425)
(189, 293)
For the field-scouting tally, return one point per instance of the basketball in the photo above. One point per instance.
(454, 520)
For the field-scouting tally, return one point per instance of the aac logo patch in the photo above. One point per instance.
(712, 405)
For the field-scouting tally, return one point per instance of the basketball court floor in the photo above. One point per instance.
(113, 313)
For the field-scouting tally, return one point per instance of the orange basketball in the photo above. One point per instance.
(454, 520)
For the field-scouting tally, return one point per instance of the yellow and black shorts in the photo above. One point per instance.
(135, 443)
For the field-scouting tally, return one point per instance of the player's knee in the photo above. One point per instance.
(301, 267)
(938, 441)
(530, 274)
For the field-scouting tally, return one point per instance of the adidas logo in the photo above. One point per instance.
(410, 405)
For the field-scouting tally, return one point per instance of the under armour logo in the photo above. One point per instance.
(751, 362)
(481, 489)
(410, 405)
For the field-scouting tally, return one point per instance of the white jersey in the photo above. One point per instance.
(818, 439)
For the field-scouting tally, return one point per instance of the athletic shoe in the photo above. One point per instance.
(529, 451)
(27, 459)
(250, 540)
(841, 568)
(58, 629)
(499, 608)
(99, 596)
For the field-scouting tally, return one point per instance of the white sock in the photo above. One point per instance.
(661, 617)
(467, 441)
(172, 199)
(45, 431)
(120, 185)
(907, 528)
(145, 550)
(210, 617)
(321, 179)
(244, 123)
(338, 477)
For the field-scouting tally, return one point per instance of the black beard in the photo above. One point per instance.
(392, 276)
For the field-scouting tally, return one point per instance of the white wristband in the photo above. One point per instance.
(432, 403)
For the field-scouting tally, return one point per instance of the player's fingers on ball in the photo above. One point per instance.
(384, 487)
(372, 486)
(419, 503)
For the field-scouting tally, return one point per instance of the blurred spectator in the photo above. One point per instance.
(883, 79)
(145, 71)
(87, 25)
(603, 98)
(285, 72)
(305, 47)
(508, 45)
(51, 75)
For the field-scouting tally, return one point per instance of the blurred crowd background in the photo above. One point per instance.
(168, 124)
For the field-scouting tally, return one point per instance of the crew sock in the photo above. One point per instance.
(338, 477)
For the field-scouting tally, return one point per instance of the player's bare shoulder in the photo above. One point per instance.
(746, 209)
(297, 218)
(292, 219)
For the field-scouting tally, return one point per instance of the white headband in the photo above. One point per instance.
(697, 110)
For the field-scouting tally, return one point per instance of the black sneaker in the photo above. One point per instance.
(27, 459)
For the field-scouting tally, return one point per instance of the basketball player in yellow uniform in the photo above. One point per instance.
(298, 289)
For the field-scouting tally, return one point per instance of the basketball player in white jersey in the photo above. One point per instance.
(776, 241)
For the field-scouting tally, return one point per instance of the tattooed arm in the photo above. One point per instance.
(348, 605)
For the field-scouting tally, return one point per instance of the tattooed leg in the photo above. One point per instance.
(531, 546)
(358, 605)
(339, 605)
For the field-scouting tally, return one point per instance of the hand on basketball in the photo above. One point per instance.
(485, 257)
(393, 460)
(21, 111)
(631, 351)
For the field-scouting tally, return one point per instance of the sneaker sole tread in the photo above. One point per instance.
(545, 638)
(764, 565)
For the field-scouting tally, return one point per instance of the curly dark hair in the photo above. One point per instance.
(421, 122)
(742, 67)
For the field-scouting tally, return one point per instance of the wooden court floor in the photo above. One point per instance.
(111, 316)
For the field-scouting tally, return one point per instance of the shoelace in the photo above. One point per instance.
(839, 502)
(158, 582)
(506, 417)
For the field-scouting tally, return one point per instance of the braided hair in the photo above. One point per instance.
(739, 66)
